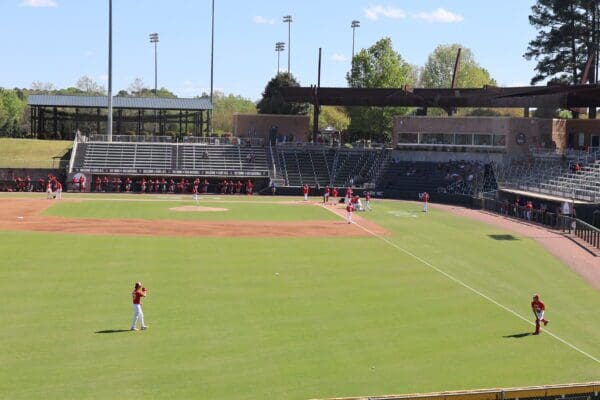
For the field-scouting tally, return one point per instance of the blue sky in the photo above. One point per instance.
(59, 41)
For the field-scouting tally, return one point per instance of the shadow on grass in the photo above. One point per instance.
(113, 331)
(518, 335)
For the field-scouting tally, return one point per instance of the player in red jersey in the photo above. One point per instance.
(49, 194)
(249, 187)
(74, 182)
(348, 194)
(539, 308)
(334, 194)
(238, 187)
(195, 189)
(137, 294)
(305, 191)
(326, 195)
(368, 201)
(425, 198)
(349, 210)
(58, 190)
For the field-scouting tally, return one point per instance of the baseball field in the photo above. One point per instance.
(272, 298)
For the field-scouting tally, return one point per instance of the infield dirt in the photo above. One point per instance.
(11, 211)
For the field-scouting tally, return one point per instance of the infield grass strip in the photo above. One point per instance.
(156, 210)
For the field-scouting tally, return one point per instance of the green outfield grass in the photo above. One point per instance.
(32, 153)
(286, 318)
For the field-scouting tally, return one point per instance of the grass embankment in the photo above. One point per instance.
(32, 153)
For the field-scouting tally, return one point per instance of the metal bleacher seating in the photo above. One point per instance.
(148, 158)
(115, 155)
(411, 177)
(324, 165)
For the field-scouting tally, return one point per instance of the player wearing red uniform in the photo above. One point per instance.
(305, 191)
(334, 193)
(58, 195)
(368, 201)
(49, 194)
(425, 201)
(539, 308)
(75, 183)
(137, 294)
(348, 194)
(326, 195)
(196, 185)
(238, 187)
(349, 210)
(82, 183)
(249, 187)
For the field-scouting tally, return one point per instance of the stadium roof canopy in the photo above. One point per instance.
(559, 96)
(134, 103)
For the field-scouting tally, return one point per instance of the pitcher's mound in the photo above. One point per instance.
(197, 209)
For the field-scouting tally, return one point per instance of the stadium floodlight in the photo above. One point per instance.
(279, 47)
(109, 121)
(288, 19)
(355, 24)
(154, 39)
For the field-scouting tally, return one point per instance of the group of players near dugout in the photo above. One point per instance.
(353, 201)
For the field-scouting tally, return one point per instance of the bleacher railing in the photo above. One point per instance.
(221, 140)
(554, 220)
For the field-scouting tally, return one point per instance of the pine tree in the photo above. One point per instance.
(566, 39)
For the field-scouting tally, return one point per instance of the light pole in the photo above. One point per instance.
(279, 47)
(154, 39)
(110, 105)
(288, 19)
(355, 24)
(212, 63)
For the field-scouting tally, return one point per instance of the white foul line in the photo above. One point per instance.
(454, 279)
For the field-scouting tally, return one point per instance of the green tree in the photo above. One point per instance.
(90, 87)
(12, 109)
(567, 36)
(225, 106)
(439, 68)
(334, 116)
(379, 66)
(272, 101)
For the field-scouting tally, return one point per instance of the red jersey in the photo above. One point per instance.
(305, 190)
(426, 197)
(137, 296)
(538, 305)
(368, 196)
(350, 207)
(58, 185)
(326, 190)
(335, 192)
(348, 191)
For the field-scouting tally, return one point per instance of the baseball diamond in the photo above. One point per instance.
(407, 218)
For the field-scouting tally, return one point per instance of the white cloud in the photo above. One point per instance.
(339, 57)
(375, 11)
(103, 77)
(262, 20)
(39, 3)
(439, 15)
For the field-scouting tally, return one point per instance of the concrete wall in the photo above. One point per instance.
(293, 127)
(521, 133)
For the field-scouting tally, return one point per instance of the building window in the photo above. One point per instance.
(482, 139)
(464, 139)
(408, 137)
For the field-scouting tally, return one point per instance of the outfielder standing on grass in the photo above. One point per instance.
(538, 307)
(137, 294)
